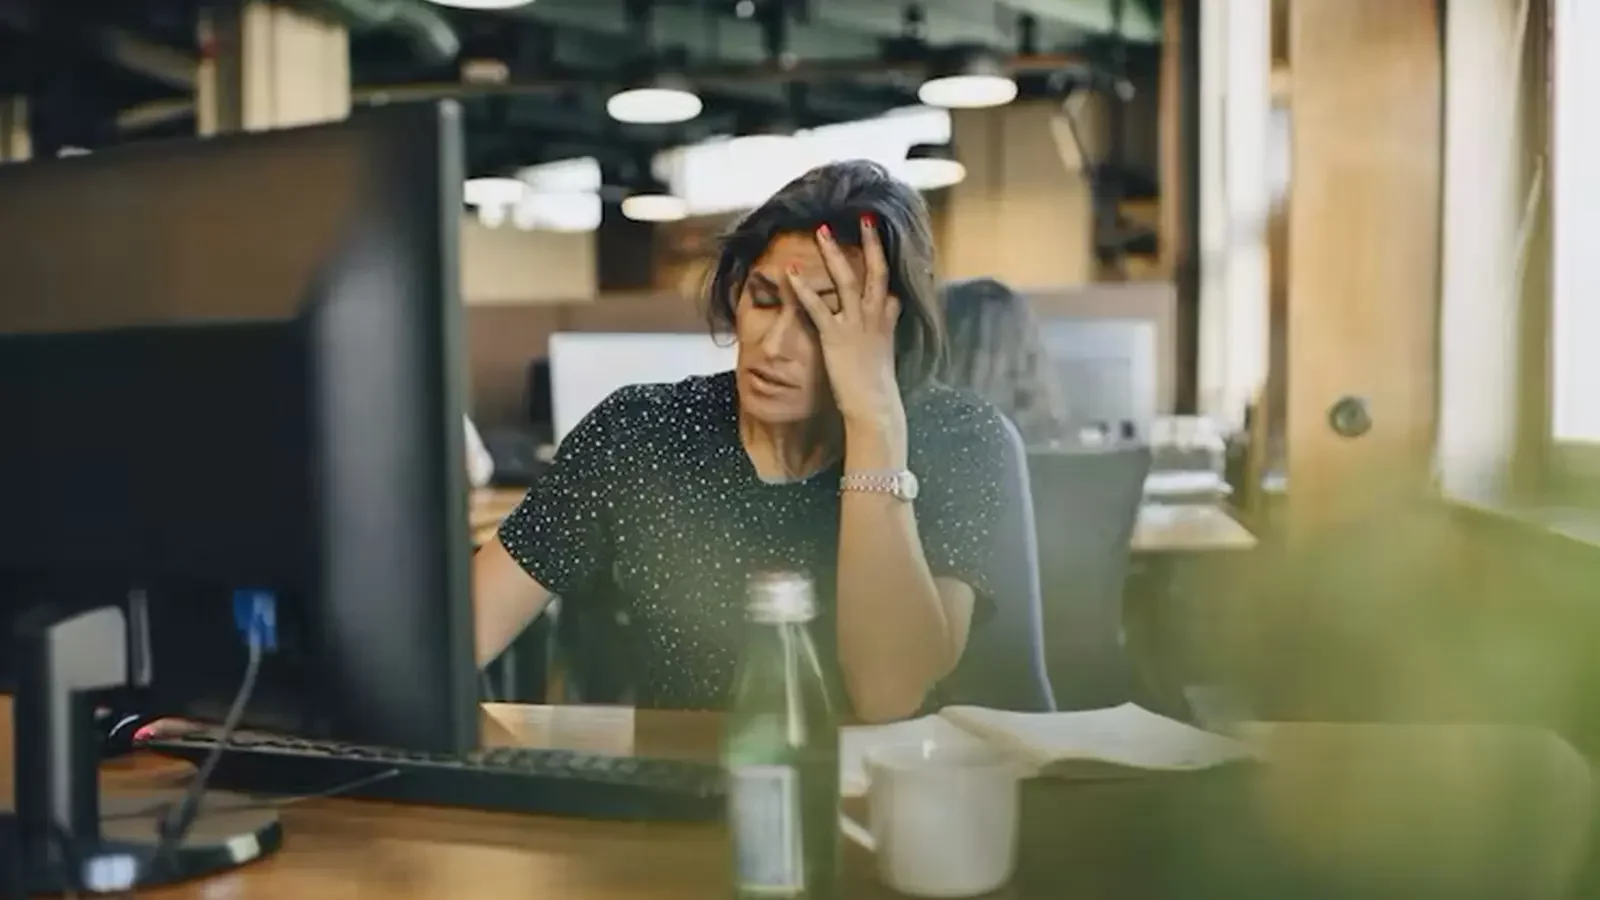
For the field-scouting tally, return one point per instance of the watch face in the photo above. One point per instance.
(908, 487)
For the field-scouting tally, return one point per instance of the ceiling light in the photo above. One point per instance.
(482, 4)
(654, 204)
(663, 101)
(968, 79)
(580, 175)
(929, 167)
(493, 215)
(493, 191)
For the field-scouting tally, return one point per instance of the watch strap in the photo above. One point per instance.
(883, 481)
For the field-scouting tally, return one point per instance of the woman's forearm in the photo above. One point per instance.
(505, 598)
(895, 639)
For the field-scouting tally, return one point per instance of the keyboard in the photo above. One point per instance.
(511, 779)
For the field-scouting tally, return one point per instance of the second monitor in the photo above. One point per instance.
(585, 368)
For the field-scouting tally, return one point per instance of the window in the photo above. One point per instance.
(1493, 427)
(1575, 239)
(1519, 379)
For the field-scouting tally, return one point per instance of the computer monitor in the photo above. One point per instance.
(586, 367)
(231, 380)
(1107, 369)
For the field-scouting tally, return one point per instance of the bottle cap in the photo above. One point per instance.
(780, 598)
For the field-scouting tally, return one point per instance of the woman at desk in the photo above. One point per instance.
(827, 450)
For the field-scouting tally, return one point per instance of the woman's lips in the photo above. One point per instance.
(769, 383)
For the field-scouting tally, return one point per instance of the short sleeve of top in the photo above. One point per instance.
(559, 533)
(967, 458)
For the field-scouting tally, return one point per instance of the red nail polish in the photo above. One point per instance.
(825, 232)
(144, 734)
(869, 221)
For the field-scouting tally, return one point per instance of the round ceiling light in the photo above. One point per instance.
(929, 167)
(662, 102)
(649, 206)
(482, 4)
(968, 79)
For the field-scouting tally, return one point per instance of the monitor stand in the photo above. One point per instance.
(70, 841)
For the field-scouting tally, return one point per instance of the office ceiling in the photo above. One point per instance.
(534, 80)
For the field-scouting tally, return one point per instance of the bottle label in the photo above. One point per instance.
(765, 818)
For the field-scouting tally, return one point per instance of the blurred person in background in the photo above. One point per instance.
(994, 352)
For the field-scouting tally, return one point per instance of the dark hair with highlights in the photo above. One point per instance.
(838, 195)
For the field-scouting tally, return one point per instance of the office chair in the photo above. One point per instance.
(1004, 663)
(1086, 502)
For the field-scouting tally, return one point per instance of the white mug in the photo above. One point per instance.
(944, 818)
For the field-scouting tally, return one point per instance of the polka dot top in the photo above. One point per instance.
(652, 516)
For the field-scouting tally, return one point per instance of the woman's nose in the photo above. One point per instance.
(776, 343)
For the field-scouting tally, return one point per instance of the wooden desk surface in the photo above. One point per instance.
(350, 849)
(1333, 805)
(1160, 529)
(1188, 529)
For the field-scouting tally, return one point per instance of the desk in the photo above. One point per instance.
(347, 849)
(1200, 528)
(1160, 529)
(1480, 812)
(489, 508)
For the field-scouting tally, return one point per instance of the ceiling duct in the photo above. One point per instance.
(428, 30)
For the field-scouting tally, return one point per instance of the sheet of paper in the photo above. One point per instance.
(856, 741)
(1128, 736)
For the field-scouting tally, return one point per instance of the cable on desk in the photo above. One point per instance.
(176, 824)
(155, 809)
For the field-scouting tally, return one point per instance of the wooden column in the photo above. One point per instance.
(266, 65)
(1025, 212)
(15, 143)
(1364, 226)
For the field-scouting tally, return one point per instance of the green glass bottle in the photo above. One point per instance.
(781, 750)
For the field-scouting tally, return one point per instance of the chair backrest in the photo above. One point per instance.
(1086, 502)
(1004, 663)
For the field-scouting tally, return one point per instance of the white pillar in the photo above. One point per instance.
(1480, 305)
(1236, 115)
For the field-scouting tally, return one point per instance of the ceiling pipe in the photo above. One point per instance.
(158, 62)
(150, 114)
(701, 76)
(430, 33)
(168, 65)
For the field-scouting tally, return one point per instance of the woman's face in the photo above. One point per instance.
(782, 380)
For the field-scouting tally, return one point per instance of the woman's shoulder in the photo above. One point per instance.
(642, 411)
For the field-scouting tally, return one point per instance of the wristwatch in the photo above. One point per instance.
(901, 484)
